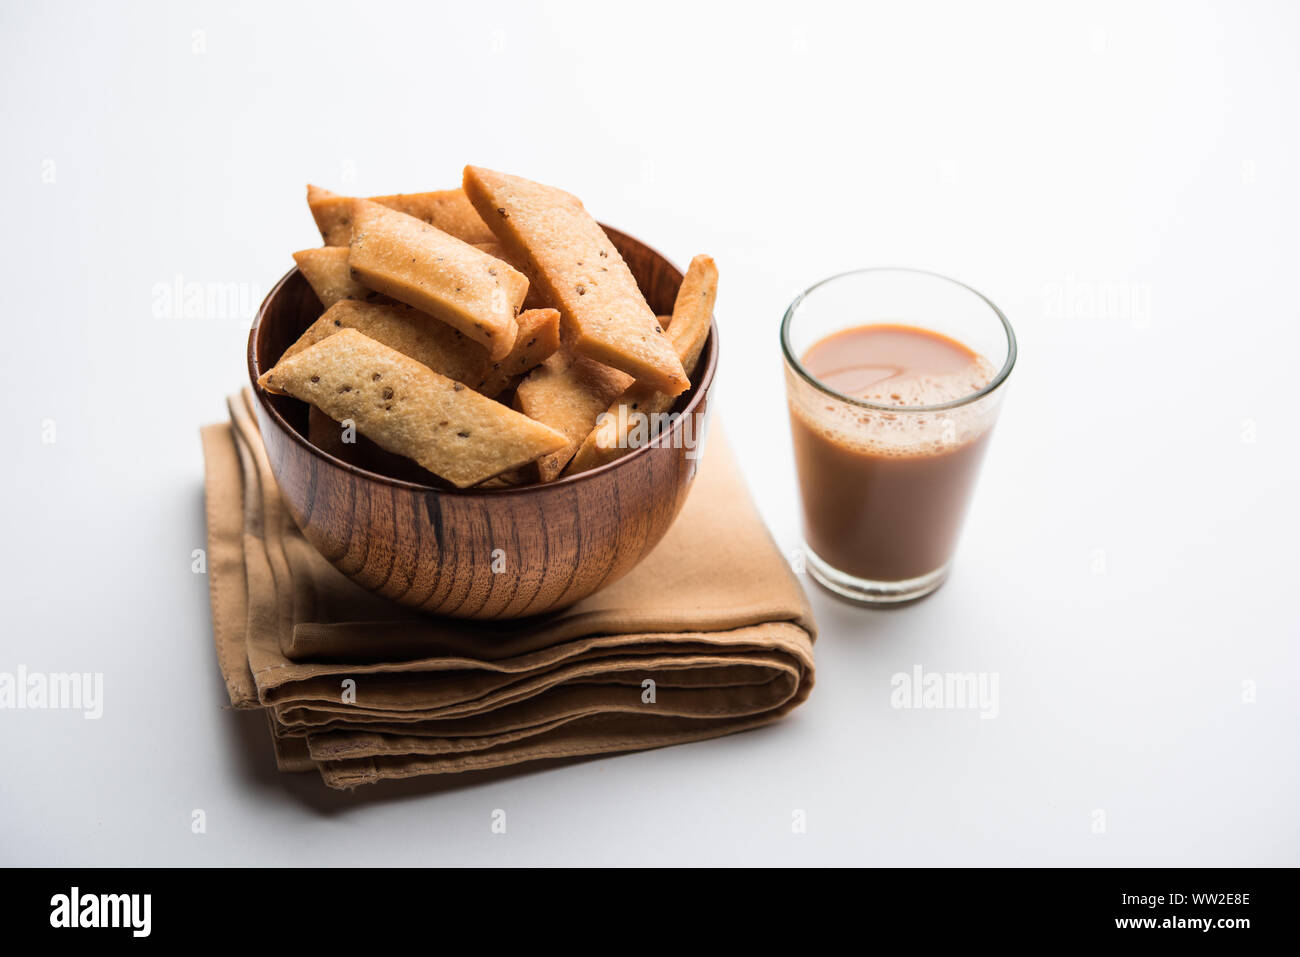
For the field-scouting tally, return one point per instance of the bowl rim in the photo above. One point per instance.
(698, 391)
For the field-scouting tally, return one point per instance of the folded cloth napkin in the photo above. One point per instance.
(710, 634)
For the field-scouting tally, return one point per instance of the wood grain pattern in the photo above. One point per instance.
(426, 545)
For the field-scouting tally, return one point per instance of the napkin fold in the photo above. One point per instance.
(709, 635)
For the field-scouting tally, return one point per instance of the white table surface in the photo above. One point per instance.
(1118, 177)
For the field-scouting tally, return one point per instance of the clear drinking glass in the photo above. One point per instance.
(885, 484)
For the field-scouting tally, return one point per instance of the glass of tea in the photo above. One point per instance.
(894, 379)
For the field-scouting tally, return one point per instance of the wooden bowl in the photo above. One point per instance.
(433, 548)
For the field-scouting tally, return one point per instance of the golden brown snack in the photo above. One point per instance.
(693, 311)
(424, 267)
(436, 344)
(580, 272)
(568, 392)
(407, 408)
(633, 412)
(448, 210)
(327, 272)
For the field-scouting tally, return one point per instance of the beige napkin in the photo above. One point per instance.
(709, 635)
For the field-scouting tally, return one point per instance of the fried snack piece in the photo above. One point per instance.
(436, 344)
(568, 392)
(447, 209)
(688, 330)
(424, 267)
(407, 408)
(604, 315)
(327, 272)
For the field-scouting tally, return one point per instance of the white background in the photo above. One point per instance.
(1120, 178)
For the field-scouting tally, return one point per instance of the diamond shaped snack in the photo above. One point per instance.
(603, 313)
(437, 273)
(406, 408)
